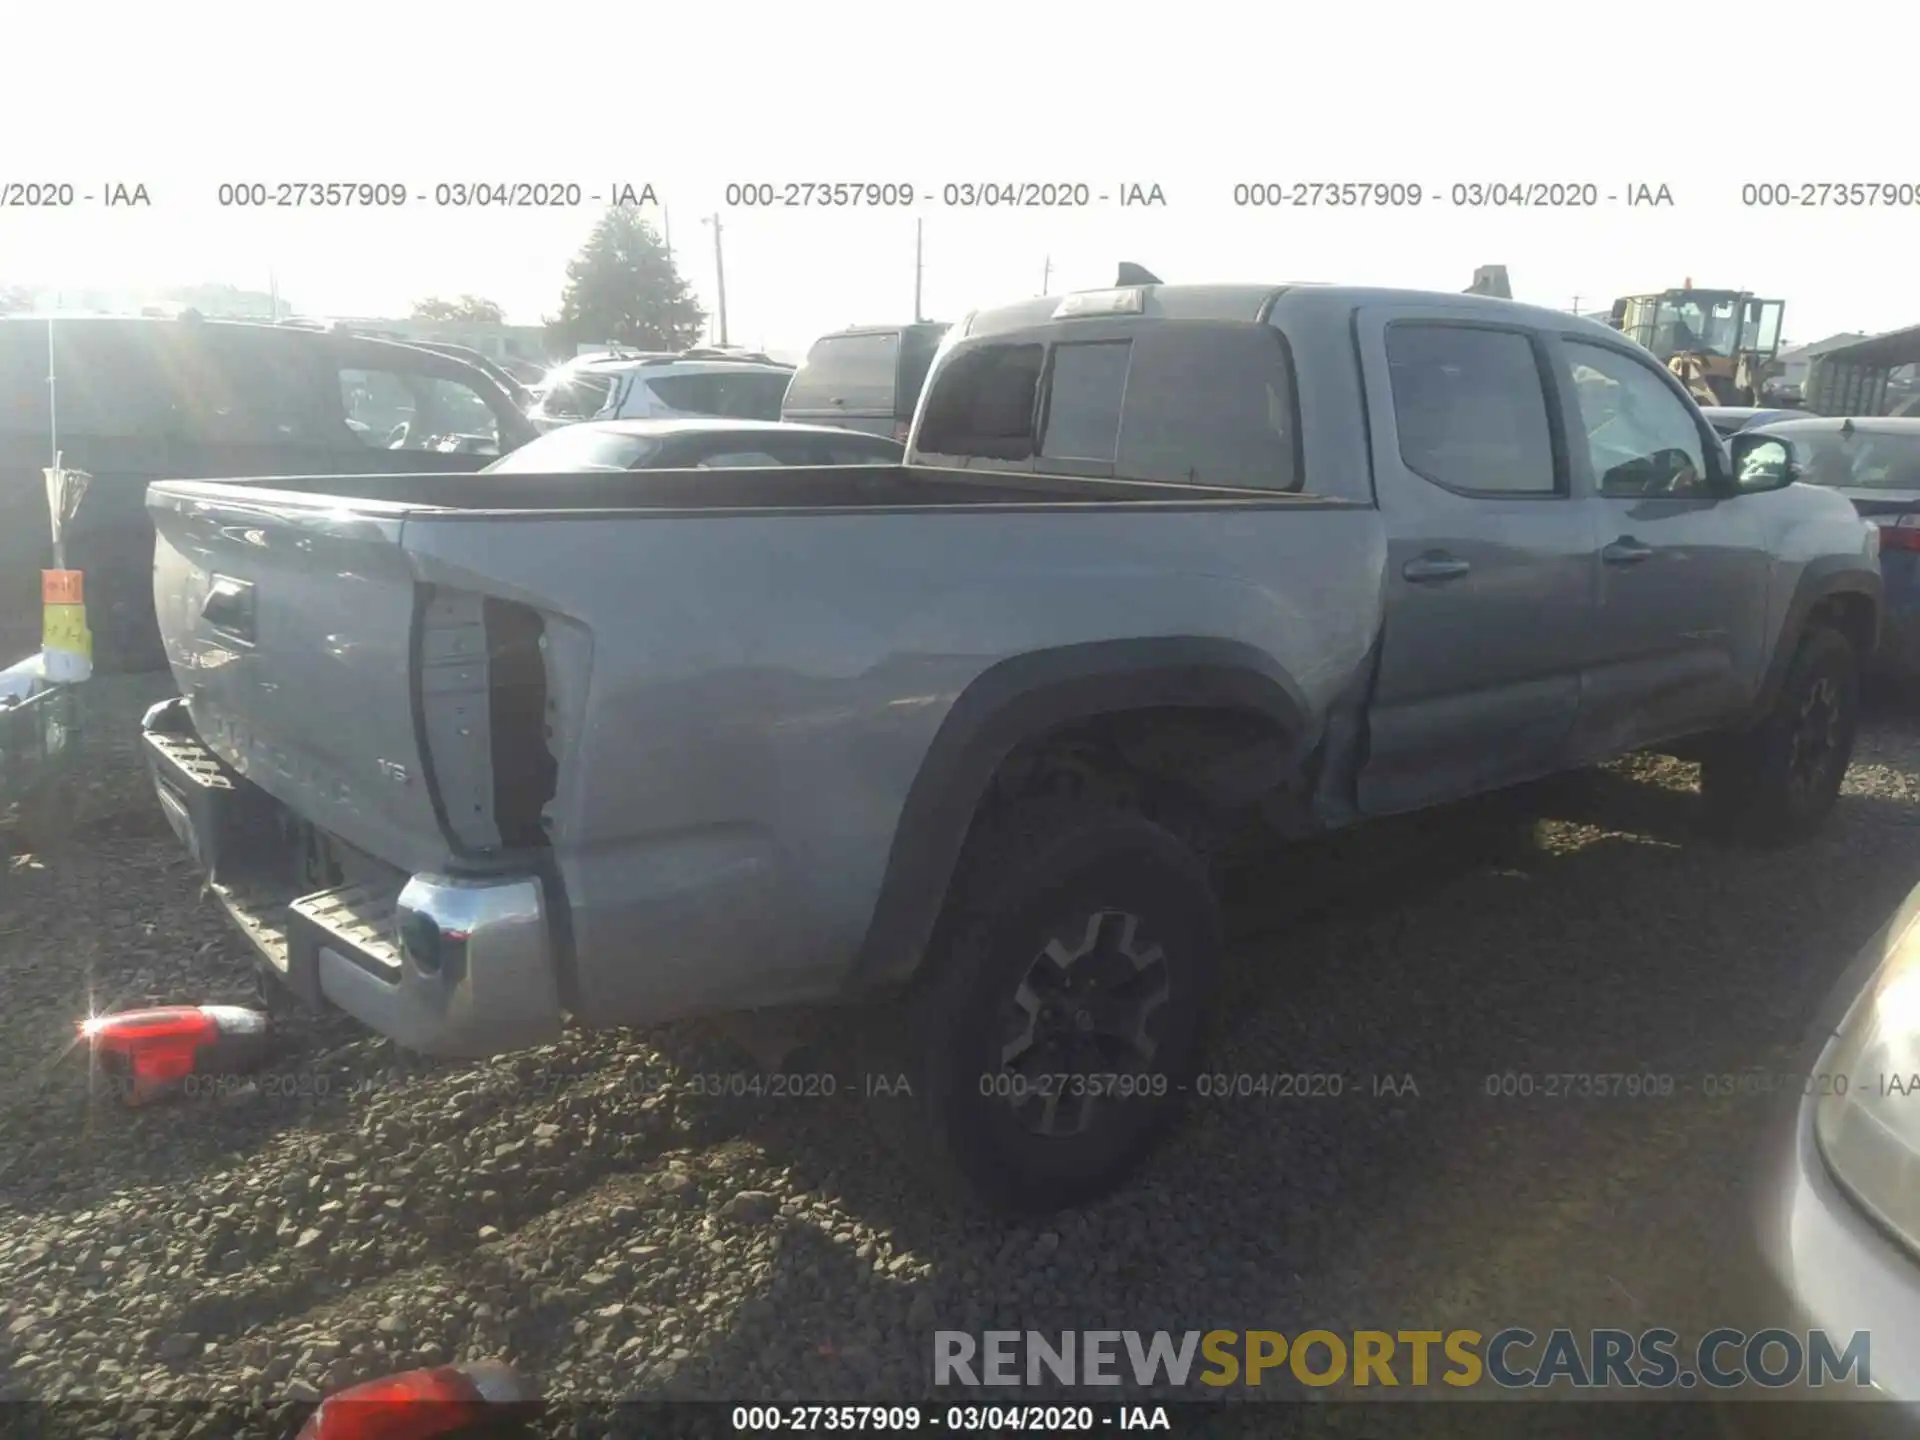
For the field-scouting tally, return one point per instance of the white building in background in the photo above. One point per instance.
(1796, 360)
(499, 342)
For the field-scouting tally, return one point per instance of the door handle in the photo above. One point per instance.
(1434, 567)
(1626, 551)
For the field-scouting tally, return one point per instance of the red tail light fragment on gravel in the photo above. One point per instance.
(451, 1400)
(149, 1054)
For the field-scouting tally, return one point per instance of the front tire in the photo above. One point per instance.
(1779, 781)
(1068, 997)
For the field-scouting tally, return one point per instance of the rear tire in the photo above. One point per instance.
(1779, 781)
(1059, 1027)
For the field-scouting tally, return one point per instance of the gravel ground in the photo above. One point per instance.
(587, 1212)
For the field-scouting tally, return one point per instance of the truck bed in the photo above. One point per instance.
(830, 487)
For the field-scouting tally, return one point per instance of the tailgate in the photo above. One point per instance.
(289, 622)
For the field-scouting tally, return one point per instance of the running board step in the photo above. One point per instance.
(358, 921)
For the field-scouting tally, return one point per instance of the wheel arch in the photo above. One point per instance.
(1833, 591)
(1023, 699)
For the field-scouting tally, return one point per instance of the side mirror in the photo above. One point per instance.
(1762, 462)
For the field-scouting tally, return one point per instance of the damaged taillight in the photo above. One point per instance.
(486, 720)
(149, 1053)
(421, 1403)
(1901, 534)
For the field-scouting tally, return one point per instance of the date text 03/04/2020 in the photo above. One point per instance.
(394, 194)
(1717, 1085)
(1326, 194)
(1208, 1085)
(985, 194)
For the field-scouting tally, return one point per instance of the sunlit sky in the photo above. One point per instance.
(1193, 98)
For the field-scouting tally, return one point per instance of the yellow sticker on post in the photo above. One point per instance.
(63, 628)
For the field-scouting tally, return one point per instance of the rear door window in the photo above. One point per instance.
(850, 374)
(1211, 404)
(1086, 387)
(982, 404)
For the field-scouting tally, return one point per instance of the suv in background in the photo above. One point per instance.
(506, 380)
(139, 399)
(865, 379)
(621, 386)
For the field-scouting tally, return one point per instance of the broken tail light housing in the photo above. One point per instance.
(1902, 533)
(150, 1053)
(487, 1397)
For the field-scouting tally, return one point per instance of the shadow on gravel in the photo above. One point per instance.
(1585, 926)
(1581, 926)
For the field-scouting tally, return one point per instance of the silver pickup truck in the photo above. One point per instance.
(467, 756)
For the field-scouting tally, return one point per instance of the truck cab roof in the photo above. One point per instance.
(1249, 303)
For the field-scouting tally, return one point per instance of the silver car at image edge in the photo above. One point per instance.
(1836, 1214)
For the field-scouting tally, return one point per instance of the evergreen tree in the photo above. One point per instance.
(622, 287)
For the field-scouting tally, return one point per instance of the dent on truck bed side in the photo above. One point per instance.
(1025, 696)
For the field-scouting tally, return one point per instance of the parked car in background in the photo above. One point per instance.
(693, 445)
(866, 379)
(528, 372)
(623, 387)
(1732, 419)
(515, 388)
(1875, 463)
(140, 399)
(1163, 562)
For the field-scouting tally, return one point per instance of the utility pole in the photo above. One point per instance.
(919, 265)
(719, 279)
(666, 234)
(1046, 276)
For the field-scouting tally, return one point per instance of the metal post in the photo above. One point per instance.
(919, 265)
(1046, 276)
(53, 414)
(720, 279)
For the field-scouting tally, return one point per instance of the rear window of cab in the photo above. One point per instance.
(1177, 402)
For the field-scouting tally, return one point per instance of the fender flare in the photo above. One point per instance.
(1016, 700)
(1820, 579)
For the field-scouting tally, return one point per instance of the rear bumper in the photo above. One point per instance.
(447, 965)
